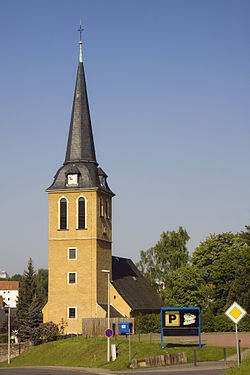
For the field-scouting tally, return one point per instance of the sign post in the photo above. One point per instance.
(235, 312)
(180, 321)
(108, 336)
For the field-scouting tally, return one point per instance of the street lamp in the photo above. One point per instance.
(108, 339)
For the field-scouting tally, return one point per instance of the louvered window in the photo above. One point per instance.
(63, 214)
(81, 213)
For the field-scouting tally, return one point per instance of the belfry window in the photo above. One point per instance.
(107, 209)
(101, 207)
(63, 213)
(81, 213)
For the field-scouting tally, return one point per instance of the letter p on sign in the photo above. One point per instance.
(172, 319)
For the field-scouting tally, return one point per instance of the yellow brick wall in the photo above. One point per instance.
(118, 302)
(93, 254)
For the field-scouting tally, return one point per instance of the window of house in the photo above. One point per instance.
(101, 207)
(71, 312)
(107, 209)
(72, 277)
(72, 253)
(63, 213)
(81, 213)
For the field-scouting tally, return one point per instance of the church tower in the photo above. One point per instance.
(80, 224)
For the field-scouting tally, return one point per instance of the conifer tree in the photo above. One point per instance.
(28, 309)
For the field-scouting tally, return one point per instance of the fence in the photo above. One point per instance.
(15, 350)
(95, 327)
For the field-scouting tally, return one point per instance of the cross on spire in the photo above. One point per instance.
(80, 42)
(80, 30)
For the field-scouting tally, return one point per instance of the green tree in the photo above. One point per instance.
(169, 254)
(240, 288)
(245, 236)
(42, 285)
(27, 303)
(218, 258)
(16, 277)
(186, 288)
(147, 266)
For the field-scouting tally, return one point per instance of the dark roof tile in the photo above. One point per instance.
(132, 286)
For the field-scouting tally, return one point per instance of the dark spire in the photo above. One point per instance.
(80, 146)
(80, 154)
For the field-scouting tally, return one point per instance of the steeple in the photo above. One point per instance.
(80, 146)
(80, 156)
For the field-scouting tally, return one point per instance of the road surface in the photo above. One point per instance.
(65, 371)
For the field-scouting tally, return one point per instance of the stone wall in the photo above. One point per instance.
(160, 360)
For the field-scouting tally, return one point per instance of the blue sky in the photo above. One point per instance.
(168, 85)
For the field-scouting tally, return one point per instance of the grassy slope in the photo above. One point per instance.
(244, 368)
(91, 352)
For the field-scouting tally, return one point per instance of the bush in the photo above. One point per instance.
(44, 332)
(148, 323)
(221, 323)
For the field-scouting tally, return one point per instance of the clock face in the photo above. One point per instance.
(72, 179)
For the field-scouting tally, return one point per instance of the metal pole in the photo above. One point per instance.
(239, 353)
(108, 340)
(199, 329)
(161, 328)
(8, 335)
(129, 345)
(237, 344)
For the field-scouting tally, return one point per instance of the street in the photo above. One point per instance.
(70, 371)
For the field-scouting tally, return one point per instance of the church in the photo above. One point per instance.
(80, 235)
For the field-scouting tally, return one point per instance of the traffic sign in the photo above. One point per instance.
(235, 312)
(109, 332)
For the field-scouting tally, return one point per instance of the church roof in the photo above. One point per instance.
(114, 313)
(80, 146)
(80, 156)
(132, 286)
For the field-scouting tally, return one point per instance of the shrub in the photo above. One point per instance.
(148, 323)
(44, 332)
(221, 323)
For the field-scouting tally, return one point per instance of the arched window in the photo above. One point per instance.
(101, 207)
(63, 213)
(81, 213)
(107, 209)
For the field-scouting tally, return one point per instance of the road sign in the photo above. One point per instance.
(180, 321)
(109, 332)
(235, 312)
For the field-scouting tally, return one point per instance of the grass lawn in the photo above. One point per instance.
(91, 352)
(244, 368)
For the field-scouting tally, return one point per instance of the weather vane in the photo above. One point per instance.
(80, 30)
(80, 42)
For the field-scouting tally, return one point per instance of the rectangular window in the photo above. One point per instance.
(71, 312)
(72, 277)
(72, 253)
